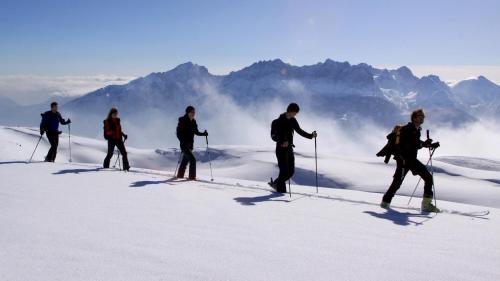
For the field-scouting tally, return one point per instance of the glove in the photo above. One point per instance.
(42, 132)
(435, 145)
(125, 136)
(314, 134)
(427, 143)
(68, 121)
(205, 133)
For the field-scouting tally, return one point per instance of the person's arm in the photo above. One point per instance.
(62, 121)
(197, 132)
(42, 124)
(301, 132)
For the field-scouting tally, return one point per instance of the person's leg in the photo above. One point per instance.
(53, 146)
(397, 180)
(56, 144)
(123, 151)
(184, 162)
(192, 165)
(49, 153)
(420, 170)
(111, 150)
(282, 165)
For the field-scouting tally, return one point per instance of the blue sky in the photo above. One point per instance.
(138, 37)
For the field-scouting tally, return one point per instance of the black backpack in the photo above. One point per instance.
(104, 130)
(393, 140)
(274, 130)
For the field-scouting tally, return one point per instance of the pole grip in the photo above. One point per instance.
(428, 135)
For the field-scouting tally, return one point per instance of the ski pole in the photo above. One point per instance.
(432, 171)
(288, 172)
(209, 160)
(316, 161)
(39, 139)
(178, 163)
(289, 188)
(69, 141)
(117, 159)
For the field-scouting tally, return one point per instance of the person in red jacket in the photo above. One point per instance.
(114, 135)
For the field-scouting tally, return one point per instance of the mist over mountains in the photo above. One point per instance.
(239, 106)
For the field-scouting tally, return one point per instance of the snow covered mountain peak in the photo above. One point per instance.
(190, 68)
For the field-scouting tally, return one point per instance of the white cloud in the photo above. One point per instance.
(32, 89)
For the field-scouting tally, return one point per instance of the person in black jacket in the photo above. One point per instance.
(50, 124)
(406, 159)
(186, 129)
(282, 132)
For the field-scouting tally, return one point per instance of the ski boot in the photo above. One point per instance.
(273, 185)
(385, 205)
(428, 207)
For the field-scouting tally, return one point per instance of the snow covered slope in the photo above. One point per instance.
(76, 222)
(471, 180)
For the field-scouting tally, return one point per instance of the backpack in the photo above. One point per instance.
(393, 140)
(274, 130)
(104, 130)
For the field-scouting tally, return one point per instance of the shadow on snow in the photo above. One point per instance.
(400, 218)
(251, 201)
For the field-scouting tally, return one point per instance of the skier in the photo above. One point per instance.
(50, 124)
(114, 135)
(186, 129)
(405, 154)
(282, 130)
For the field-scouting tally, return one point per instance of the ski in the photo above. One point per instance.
(477, 214)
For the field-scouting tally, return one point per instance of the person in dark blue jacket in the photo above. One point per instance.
(186, 129)
(50, 125)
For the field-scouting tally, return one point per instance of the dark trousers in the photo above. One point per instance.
(54, 143)
(187, 157)
(111, 149)
(418, 169)
(286, 164)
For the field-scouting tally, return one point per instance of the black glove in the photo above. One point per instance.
(435, 145)
(205, 133)
(42, 132)
(68, 121)
(427, 143)
(125, 136)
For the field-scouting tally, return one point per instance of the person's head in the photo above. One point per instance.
(54, 107)
(113, 113)
(418, 117)
(292, 110)
(190, 112)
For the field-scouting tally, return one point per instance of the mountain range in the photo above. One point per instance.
(339, 91)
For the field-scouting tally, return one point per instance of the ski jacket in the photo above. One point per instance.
(409, 142)
(284, 130)
(50, 121)
(186, 129)
(113, 129)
